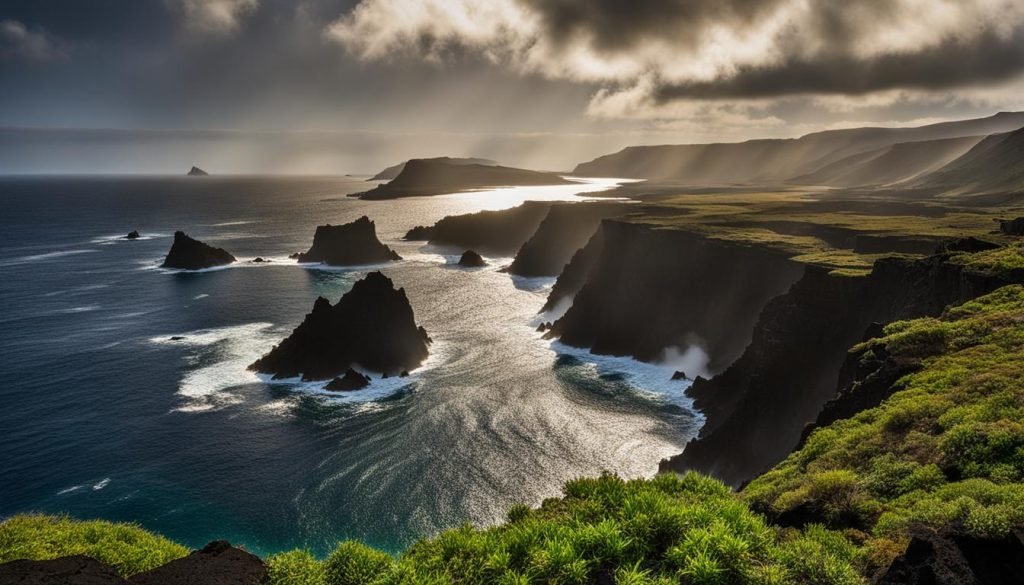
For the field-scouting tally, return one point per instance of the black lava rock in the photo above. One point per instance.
(189, 254)
(133, 235)
(75, 570)
(348, 245)
(218, 563)
(352, 380)
(471, 259)
(372, 325)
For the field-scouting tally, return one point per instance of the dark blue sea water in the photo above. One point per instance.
(102, 415)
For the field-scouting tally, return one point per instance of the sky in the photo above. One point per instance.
(351, 86)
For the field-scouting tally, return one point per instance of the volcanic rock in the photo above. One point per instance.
(133, 235)
(352, 380)
(471, 259)
(372, 325)
(679, 375)
(189, 254)
(348, 245)
(956, 559)
(218, 563)
(74, 570)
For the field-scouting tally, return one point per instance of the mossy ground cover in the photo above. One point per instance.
(945, 450)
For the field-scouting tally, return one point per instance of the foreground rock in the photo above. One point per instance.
(352, 380)
(957, 559)
(133, 235)
(190, 254)
(1012, 227)
(351, 244)
(218, 563)
(471, 259)
(75, 570)
(424, 177)
(372, 326)
(197, 172)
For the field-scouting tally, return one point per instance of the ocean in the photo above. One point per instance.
(103, 415)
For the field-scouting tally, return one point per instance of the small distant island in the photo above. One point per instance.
(394, 170)
(425, 177)
(372, 327)
(471, 259)
(133, 235)
(350, 244)
(190, 254)
(197, 172)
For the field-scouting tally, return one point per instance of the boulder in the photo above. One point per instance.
(1012, 227)
(190, 254)
(352, 380)
(74, 570)
(218, 563)
(471, 259)
(133, 235)
(372, 325)
(351, 244)
(953, 558)
(679, 375)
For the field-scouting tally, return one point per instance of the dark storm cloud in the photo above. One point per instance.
(951, 64)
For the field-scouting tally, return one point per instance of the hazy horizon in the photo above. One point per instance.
(335, 87)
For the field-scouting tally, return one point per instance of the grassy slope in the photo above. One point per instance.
(946, 449)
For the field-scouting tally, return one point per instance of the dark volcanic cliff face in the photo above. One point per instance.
(566, 228)
(189, 254)
(372, 326)
(348, 245)
(647, 289)
(756, 409)
(499, 233)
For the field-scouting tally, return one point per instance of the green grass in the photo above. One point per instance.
(125, 547)
(668, 529)
(946, 449)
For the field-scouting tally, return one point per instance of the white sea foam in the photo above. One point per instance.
(227, 223)
(73, 488)
(75, 290)
(654, 380)
(200, 296)
(115, 238)
(44, 257)
(555, 313)
(101, 484)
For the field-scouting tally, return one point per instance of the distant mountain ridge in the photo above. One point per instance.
(994, 164)
(779, 161)
(395, 170)
(424, 177)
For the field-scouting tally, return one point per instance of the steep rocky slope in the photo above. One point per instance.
(757, 408)
(995, 164)
(649, 289)
(566, 228)
(500, 233)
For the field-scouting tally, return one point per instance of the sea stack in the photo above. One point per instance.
(133, 235)
(197, 172)
(348, 245)
(372, 326)
(189, 254)
(471, 259)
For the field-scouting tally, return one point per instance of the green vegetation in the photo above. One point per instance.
(946, 449)
(125, 547)
(823, 231)
(669, 529)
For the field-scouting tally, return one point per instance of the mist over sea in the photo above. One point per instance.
(103, 415)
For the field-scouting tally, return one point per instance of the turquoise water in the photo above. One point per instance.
(103, 416)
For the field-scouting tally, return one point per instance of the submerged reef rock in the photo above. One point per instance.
(189, 254)
(372, 326)
(74, 570)
(348, 245)
(471, 259)
(197, 172)
(216, 563)
(352, 380)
